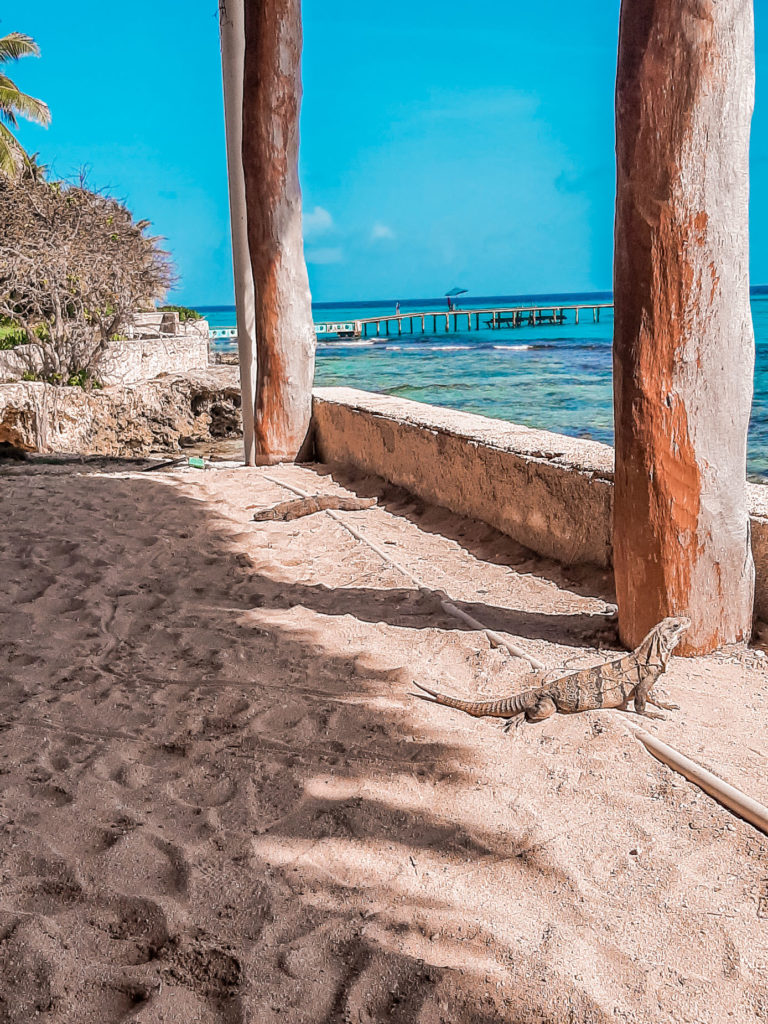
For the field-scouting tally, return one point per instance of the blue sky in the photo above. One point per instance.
(443, 143)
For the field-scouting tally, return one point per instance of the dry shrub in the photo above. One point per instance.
(74, 267)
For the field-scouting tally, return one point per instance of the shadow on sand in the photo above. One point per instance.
(243, 810)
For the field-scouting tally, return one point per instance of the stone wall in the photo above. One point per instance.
(130, 360)
(757, 496)
(552, 493)
(125, 362)
(15, 362)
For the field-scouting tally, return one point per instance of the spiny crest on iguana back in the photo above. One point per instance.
(609, 685)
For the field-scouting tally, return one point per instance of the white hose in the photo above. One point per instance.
(741, 804)
(446, 604)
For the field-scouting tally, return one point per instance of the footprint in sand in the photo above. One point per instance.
(117, 929)
(138, 863)
(344, 979)
(40, 966)
(52, 794)
(130, 774)
(202, 787)
(41, 883)
(72, 751)
(34, 966)
(207, 968)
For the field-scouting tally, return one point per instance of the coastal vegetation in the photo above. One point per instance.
(185, 313)
(14, 103)
(74, 267)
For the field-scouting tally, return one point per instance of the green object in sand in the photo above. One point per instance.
(196, 462)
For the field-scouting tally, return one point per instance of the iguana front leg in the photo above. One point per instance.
(661, 704)
(640, 699)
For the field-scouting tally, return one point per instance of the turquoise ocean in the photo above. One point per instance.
(555, 377)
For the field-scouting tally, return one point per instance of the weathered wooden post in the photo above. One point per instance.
(285, 337)
(683, 341)
(232, 33)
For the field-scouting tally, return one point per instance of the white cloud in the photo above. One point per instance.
(322, 256)
(381, 231)
(317, 221)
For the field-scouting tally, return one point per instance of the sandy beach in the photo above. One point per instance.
(220, 803)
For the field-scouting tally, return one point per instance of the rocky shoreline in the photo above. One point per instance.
(166, 413)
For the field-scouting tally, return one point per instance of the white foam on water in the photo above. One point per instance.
(345, 344)
(512, 348)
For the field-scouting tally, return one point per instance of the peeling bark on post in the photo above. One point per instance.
(232, 29)
(285, 336)
(683, 342)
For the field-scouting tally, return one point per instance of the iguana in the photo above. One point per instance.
(290, 510)
(610, 685)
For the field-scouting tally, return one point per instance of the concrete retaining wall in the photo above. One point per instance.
(549, 492)
(552, 493)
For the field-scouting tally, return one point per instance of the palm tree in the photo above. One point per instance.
(14, 102)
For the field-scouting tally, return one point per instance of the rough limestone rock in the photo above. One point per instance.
(163, 414)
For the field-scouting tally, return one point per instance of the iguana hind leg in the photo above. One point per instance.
(541, 710)
(509, 722)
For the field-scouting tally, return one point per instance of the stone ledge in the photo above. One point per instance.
(542, 445)
(549, 492)
(132, 360)
(552, 493)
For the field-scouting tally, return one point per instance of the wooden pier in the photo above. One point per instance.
(446, 321)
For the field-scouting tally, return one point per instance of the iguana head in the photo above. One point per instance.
(662, 640)
(670, 632)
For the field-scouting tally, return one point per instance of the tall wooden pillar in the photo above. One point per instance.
(232, 32)
(683, 343)
(285, 337)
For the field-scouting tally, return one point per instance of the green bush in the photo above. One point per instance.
(10, 337)
(83, 379)
(185, 313)
(80, 379)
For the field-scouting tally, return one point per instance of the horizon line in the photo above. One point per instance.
(753, 289)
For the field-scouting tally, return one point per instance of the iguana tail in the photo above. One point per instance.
(504, 707)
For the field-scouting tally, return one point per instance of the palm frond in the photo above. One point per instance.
(16, 45)
(14, 101)
(12, 156)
